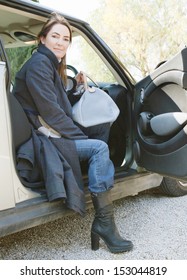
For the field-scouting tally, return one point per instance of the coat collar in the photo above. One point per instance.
(44, 50)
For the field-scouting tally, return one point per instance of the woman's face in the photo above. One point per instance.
(57, 40)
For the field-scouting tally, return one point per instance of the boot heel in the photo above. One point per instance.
(94, 241)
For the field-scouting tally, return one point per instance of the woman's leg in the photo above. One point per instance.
(100, 167)
(101, 177)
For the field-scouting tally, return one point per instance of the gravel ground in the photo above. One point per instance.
(156, 224)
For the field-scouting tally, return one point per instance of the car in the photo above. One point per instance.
(147, 142)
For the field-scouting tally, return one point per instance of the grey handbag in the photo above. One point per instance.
(94, 107)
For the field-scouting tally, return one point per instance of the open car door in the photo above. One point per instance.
(161, 119)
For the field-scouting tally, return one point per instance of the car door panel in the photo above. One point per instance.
(162, 93)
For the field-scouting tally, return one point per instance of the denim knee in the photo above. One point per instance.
(101, 147)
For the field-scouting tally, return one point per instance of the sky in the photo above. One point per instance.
(77, 8)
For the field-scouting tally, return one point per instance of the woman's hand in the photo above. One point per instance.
(80, 78)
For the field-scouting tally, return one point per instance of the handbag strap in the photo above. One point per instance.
(85, 76)
(85, 80)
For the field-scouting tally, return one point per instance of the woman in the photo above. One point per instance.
(41, 92)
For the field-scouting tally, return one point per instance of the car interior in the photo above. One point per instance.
(18, 30)
(160, 102)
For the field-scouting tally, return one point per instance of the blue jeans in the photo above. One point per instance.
(101, 169)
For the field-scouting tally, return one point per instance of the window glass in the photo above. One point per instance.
(83, 57)
(17, 57)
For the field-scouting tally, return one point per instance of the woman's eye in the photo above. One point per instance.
(55, 36)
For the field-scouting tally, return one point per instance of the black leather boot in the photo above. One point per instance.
(104, 225)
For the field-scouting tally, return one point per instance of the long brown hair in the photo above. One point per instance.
(54, 19)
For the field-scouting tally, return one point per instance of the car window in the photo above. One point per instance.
(78, 56)
(17, 57)
(84, 58)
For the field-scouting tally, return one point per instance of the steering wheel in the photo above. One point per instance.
(72, 69)
(71, 81)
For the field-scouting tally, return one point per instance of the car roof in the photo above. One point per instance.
(17, 26)
(37, 8)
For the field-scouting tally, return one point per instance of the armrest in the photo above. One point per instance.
(169, 123)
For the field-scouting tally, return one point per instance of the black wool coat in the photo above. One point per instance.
(40, 90)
